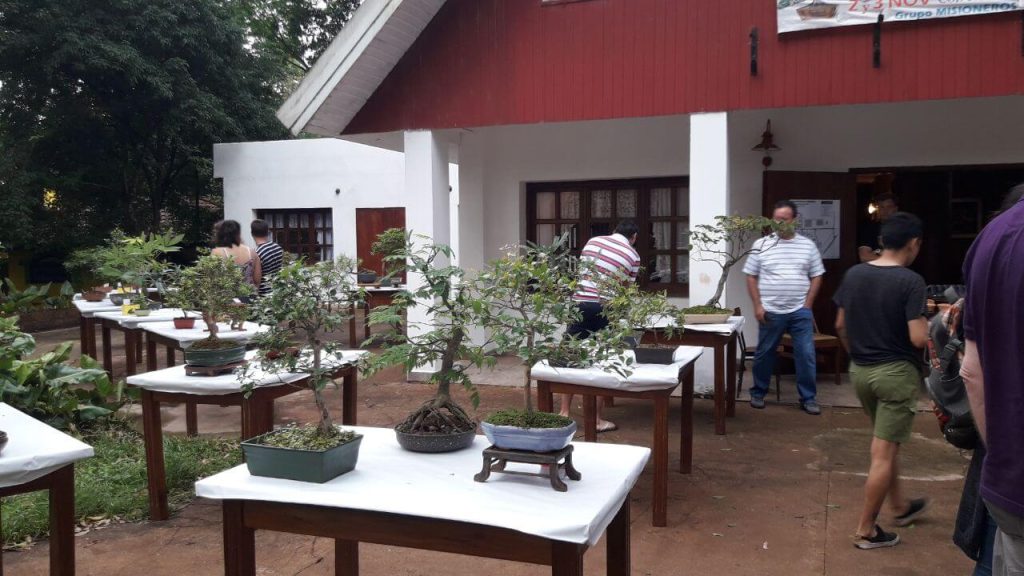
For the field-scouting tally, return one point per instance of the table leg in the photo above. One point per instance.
(730, 376)
(156, 479)
(545, 399)
(720, 400)
(191, 419)
(108, 362)
(239, 541)
(138, 347)
(686, 424)
(352, 329)
(90, 337)
(150, 354)
(660, 449)
(130, 351)
(617, 542)
(590, 417)
(83, 340)
(62, 521)
(366, 321)
(346, 558)
(567, 559)
(349, 397)
(170, 356)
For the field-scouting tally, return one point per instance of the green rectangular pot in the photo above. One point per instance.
(301, 465)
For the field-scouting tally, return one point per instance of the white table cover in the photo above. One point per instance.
(133, 321)
(89, 309)
(186, 337)
(34, 449)
(641, 376)
(733, 324)
(175, 380)
(392, 480)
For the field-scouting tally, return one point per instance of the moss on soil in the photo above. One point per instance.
(307, 438)
(524, 419)
(216, 344)
(706, 310)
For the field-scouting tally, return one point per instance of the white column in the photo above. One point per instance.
(709, 197)
(428, 210)
(470, 216)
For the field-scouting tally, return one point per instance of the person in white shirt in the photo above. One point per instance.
(783, 277)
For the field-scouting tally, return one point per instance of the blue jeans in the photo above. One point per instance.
(984, 565)
(800, 326)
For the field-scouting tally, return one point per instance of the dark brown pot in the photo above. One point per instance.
(94, 296)
(184, 323)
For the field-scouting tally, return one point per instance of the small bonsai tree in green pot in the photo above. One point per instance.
(306, 304)
(726, 243)
(439, 424)
(211, 287)
(389, 244)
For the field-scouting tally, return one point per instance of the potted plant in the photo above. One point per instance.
(305, 303)
(635, 309)
(439, 424)
(366, 276)
(725, 243)
(390, 243)
(211, 287)
(131, 261)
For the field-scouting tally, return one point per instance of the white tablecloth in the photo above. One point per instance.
(392, 480)
(34, 449)
(186, 337)
(174, 380)
(733, 324)
(133, 321)
(89, 309)
(641, 376)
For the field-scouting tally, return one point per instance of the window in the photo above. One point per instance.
(659, 206)
(304, 232)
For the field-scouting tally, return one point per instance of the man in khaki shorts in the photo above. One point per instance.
(881, 324)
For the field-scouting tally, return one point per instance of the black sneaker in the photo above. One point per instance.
(757, 403)
(917, 507)
(881, 539)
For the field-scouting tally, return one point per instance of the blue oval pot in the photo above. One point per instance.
(530, 439)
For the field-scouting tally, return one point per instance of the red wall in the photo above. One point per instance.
(492, 62)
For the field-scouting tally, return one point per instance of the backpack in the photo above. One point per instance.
(945, 386)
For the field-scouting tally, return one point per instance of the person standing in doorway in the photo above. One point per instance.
(603, 259)
(783, 277)
(993, 373)
(270, 254)
(881, 323)
(869, 245)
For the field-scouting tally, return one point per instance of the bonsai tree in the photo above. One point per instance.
(441, 342)
(389, 244)
(211, 287)
(726, 242)
(133, 261)
(305, 305)
(633, 309)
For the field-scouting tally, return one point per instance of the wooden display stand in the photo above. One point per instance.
(495, 460)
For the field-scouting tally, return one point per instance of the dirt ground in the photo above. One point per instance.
(779, 495)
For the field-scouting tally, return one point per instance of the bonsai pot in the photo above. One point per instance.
(94, 296)
(154, 305)
(104, 289)
(303, 465)
(118, 298)
(141, 312)
(385, 282)
(645, 355)
(232, 352)
(434, 443)
(366, 277)
(706, 318)
(530, 439)
(292, 351)
(3, 440)
(184, 323)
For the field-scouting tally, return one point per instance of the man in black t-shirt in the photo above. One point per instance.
(881, 324)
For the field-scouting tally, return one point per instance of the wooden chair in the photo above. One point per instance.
(823, 344)
(746, 355)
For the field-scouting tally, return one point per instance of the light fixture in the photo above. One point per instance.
(767, 145)
(872, 208)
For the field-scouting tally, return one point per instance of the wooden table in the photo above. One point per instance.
(173, 386)
(375, 296)
(430, 502)
(565, 381)
(724, 345)
(130, 324)
(38, 457)
(87, 323)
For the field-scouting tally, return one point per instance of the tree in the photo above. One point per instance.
(115, 106)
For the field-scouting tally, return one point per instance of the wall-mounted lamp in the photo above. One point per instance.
(767, 145)
(872, 208)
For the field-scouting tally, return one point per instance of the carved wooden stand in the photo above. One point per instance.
(495, 460)
(212, 370)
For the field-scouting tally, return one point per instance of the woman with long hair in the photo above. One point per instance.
(227, 240)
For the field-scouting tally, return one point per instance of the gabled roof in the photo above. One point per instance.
(355, 64)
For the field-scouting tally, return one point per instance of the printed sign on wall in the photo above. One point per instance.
(796, 15)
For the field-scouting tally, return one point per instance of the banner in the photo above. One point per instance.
(796, 15)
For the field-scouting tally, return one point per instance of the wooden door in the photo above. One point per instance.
(370, 222)
(839, 186)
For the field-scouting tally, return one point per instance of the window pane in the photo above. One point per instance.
(661, 202)
(682, 235)
(682, 201)
(661, 271)
(600, 229)
(573, 231)
(546, 205)
(545, 234)
(626, 203)
(570, 205)
(601, 204)
(293, 220)
(683, 269)
(661, 235)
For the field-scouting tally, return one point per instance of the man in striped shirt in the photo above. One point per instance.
(269, 252)
(783, 277)
(604, 259)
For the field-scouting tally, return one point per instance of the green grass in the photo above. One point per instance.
(524, 419)
(112, 484)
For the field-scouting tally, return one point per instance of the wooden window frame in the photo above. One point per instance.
(643, 187)
(311, 250)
